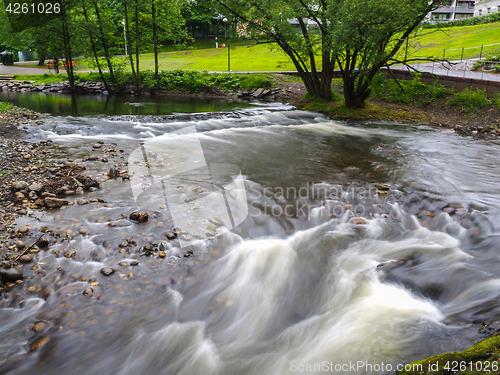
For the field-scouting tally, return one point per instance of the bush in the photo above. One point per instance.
(497, 68)
(477, 65)
(496, 99)
(415, 91)
(470, 99)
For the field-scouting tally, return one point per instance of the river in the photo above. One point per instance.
(273, 271)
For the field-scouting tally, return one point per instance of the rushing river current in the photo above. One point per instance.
(273, 271)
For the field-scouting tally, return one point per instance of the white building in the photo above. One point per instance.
(485, 7)
(453, 10)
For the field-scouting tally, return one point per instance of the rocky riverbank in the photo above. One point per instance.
(280, 93)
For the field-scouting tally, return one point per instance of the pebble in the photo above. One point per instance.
(358, 220)
(139, 216)
(39, 343)
(83, 231)
(20, 244)
(11, 274)
(55, 202)
(382, 186)
(107, 271)
(171, 235)
(22, 212)
(25, 258)
(82, 201)
(97, 145)
(23, 230)
(88, 291)
(18, 185)
(162, 254)
(42, 242)
(39, 327)
(123, 264)
(70, 254)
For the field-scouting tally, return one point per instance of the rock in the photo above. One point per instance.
(113, 173)
(134, 263)
(32, 195)
(18, 185)
(6, 264)
(485, 129)
(88, 292)
(358, 220)
(11, 274)
(123, 264)
(25, 258)
(171, 235)
(39, 343)
(97, 145)
(139, 216)
(39, 327)
(382, 186)
(104, 160)
(36, 187)
(23, 230)
(55, 202)
(18, 196)
(83, 231)
(42, 242)
(48, 195)
(20, 244)
(69, 192)
(22, 212)
(107, 271)
(39, 202)
(70, 254)
(162, 254)
(82, 201)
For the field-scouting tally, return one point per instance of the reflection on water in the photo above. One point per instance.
(297, 283)
(92, 105)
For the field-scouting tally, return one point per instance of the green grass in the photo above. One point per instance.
(432, 42)
(6, 107)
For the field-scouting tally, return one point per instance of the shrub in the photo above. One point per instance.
(470, 99)
(415, 91)
(496, 99)
(477, 65)
(497, 68)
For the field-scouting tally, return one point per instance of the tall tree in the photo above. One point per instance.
(357, 36)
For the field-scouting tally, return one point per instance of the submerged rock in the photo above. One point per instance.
(107, 271)
(139, 216)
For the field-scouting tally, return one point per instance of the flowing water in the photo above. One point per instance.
(294, 287)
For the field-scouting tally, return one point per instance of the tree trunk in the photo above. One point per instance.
(155, 42)
(104, 44)
(127, 31)
(67, 47)
(94, 50)
(138, 74)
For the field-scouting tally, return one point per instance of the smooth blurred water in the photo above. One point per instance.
(295, 284)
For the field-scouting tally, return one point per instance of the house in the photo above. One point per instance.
(484, 8)
(451, 10)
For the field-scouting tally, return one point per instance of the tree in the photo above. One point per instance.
(356, 36)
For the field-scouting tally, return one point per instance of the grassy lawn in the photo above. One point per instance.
(432, 42)
(268, 57)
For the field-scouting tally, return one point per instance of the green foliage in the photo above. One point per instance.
(477, 65)
(470, 99)
(415, 91)
(496, 99)
(6, 107)
(497, 68)
(255, 81)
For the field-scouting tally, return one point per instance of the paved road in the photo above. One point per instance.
(439, 70)
(12, 69)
